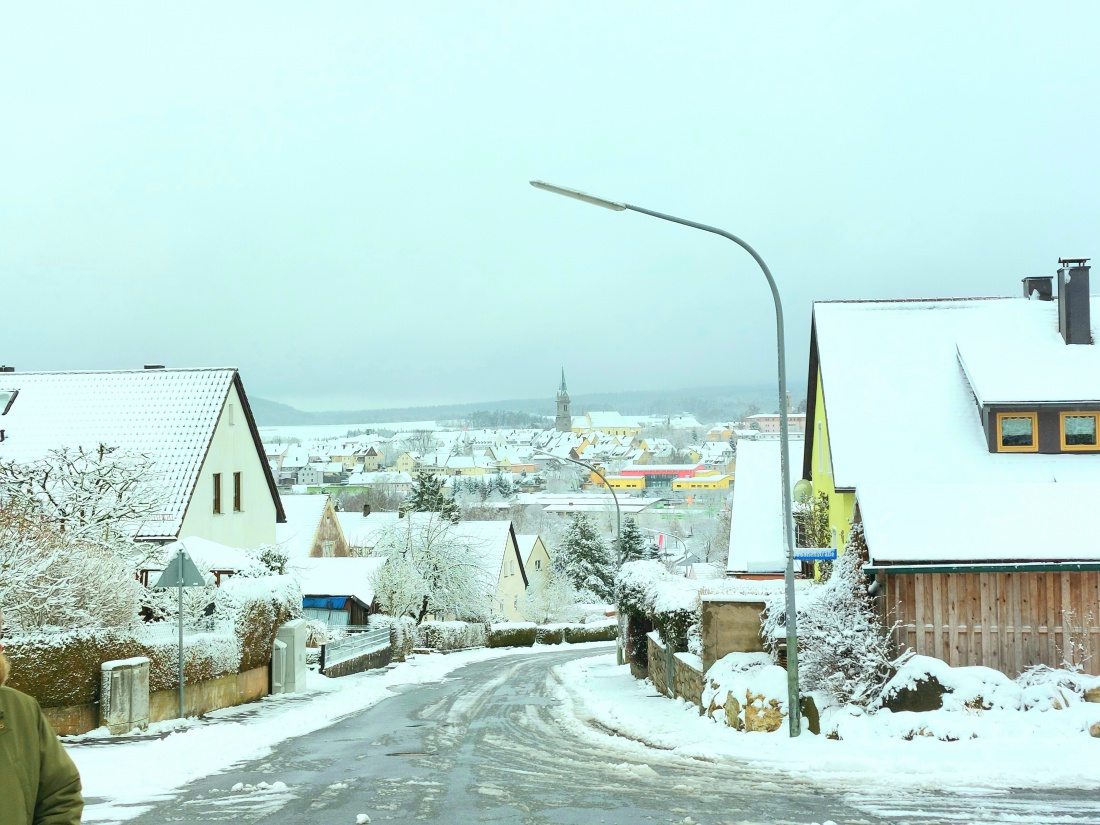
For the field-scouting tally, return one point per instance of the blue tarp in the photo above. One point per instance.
(326, 603)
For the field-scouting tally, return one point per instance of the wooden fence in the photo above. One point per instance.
(1006, 621)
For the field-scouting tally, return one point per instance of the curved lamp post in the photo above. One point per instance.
(794, 714)
(683, 543)
(615, 498)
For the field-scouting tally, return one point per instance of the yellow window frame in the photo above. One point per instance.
(1079, 448)
(1033, 447)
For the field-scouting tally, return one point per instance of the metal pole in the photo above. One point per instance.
(794, 708)
(181, 640)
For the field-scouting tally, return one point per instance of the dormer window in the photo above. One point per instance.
(1079, 431)
(7, 398)
(1017, 432)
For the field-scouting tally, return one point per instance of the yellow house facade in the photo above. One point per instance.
(817, 464)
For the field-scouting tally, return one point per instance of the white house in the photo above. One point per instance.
(211, 473)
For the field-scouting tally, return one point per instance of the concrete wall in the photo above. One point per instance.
(201, 697)
(729, 627)
(368, 661)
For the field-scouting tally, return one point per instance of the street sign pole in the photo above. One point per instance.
(181, 572)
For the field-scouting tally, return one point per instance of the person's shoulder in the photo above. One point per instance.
(16, 700)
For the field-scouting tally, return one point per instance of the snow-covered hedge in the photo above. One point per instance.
(512, 634)
(62, 669)
(451, 635)
(402, 633)
(605, 630)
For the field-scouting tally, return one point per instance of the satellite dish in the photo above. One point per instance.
(803, 490)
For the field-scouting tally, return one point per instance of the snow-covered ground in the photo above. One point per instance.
(992, 751)
(124, 776)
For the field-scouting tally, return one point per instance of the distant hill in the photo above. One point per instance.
(708, 404)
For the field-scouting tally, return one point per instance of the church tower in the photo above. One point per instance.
(563, 422)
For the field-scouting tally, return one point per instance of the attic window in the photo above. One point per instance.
(1079, 431)
(7, 398)
(1016, 432)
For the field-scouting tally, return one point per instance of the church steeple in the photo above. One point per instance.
(563, 422)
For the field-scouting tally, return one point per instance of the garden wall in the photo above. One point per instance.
(368, 661)
(729, 624)
(198, 698)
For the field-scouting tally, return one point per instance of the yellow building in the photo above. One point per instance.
(715, 481)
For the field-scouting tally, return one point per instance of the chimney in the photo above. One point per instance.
(366, 509)
(1073, 301)
(154, 366)
(1040, 286)
(7, 369)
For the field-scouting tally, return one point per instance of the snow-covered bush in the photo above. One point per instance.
(512, 634)
(670, 603)
(604, 631)
(402, 633)
(257, 607)
(844, 650)
(451, 635)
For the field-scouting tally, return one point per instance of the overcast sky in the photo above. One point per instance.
(333, 197)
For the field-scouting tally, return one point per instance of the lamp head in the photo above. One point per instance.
(576, 194)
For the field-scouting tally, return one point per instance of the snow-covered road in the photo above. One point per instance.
(548, 736)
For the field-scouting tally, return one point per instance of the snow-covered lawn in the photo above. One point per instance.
(122, 777)
(1010, 749)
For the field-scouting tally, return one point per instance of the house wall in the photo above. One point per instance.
(841, 504)
(1006, 621)
(231, 450)
(510, 584)
(329, 530)
(540, 554)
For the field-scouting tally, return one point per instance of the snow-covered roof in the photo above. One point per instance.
(609, 419)
(363, 531)
(981, 522)
(882, 359)
(525, 542)
(303, 517)
(337, 576)
(757, 543)
(166, 414)
(207, 555)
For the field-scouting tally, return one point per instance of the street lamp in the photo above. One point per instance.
(615, 498)
(794, 714)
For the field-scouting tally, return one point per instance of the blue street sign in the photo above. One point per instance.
(815, 553)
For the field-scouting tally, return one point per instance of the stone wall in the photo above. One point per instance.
(657, 662)
(368, 661)
(729, 626)
(687, 678)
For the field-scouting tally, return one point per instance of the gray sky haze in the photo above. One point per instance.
(334, 197)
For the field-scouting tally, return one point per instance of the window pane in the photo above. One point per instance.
(1081, 429)
(1016, 432)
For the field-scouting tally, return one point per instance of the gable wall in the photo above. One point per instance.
(232, 450)
(510, 585)
(841, 504)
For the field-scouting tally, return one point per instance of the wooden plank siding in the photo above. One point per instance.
(1006, 621)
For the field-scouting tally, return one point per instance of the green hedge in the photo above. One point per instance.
(512, 635)
(577, 633)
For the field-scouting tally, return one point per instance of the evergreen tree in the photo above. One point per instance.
(427, 496)
(632, 544)
(586, 561)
